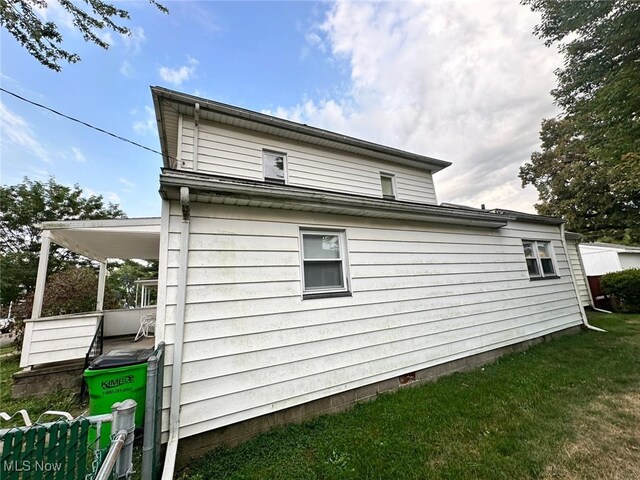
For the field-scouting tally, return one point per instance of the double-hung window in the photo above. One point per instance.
(274, 166)
(539, 257)
(388, 184)
(324, 265)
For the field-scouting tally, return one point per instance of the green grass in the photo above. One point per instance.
(65, 400)
(515, 418)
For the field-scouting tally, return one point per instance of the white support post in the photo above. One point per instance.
(43, 263)
(101, 285)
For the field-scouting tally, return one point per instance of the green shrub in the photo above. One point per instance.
(625, 287)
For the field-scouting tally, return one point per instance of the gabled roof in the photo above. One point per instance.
(169, 105)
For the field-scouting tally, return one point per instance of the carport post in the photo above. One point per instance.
(101, 284)
(43, 263)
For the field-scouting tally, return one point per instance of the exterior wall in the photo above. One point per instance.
(56, 339)
(423, 295)
(598, 261)
(629, 260)
(198, 445)
(125, 321)
(578, 272)
(236, 153)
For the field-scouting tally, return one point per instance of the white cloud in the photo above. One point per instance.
(15, 130)
(133, 42)
(458, 80)
(39, 173)
(78, 156)
(179, 75)
(56, 13)
(106, 36)
(126, 69)
(315, 40)
(127, 183)
(112, 197)
(148, 124)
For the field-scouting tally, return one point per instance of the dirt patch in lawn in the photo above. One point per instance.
(607, 442)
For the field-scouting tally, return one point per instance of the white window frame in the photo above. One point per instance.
(536, 256)
(265, 152)
(394, 187)
(342, 243)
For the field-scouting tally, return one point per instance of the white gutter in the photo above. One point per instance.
(224, 190)
(583, 314)
(176, 377)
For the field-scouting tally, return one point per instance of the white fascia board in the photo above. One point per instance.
(110, 223)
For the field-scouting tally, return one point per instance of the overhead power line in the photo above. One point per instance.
(101, 130)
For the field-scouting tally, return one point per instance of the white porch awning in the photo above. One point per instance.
(124, 238)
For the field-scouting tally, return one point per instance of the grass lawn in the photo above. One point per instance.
(566, 409)
(65, 400)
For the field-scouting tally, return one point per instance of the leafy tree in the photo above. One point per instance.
(589, 165)
(122, 277)
(43, 40)
(72, 290)
(22, 208)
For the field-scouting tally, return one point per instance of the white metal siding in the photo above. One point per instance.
(581, 279)
(57, 339)
(232, 152)
(422, 295)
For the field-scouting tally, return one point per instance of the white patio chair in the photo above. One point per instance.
(147, 325)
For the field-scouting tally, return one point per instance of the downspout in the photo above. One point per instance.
(591, 299)
(176, 376)
(583, 314)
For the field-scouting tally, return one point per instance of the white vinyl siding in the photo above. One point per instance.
(422, 294)
(232, 152)
(58, 339)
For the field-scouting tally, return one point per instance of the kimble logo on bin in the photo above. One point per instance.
(117, 382)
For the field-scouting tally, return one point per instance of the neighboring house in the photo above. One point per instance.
(301, 270)
(601, 258)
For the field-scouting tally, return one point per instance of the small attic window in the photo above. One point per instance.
(388, 183)
(274, 164)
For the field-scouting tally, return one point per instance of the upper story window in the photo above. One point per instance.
(388, 183)
(539, 256)
(275, 166)
(324, 266)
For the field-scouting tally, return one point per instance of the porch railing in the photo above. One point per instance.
(96, 348)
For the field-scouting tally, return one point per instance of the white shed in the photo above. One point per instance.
(601, 258)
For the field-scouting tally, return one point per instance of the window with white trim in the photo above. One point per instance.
(324, 266)
(540, 259)
(274, 166)
(388, 184)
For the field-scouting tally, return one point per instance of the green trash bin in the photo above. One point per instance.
(114, 377)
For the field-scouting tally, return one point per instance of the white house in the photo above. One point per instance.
(302, 270)
(601, 258)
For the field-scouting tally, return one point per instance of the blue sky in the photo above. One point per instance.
(460, 80)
